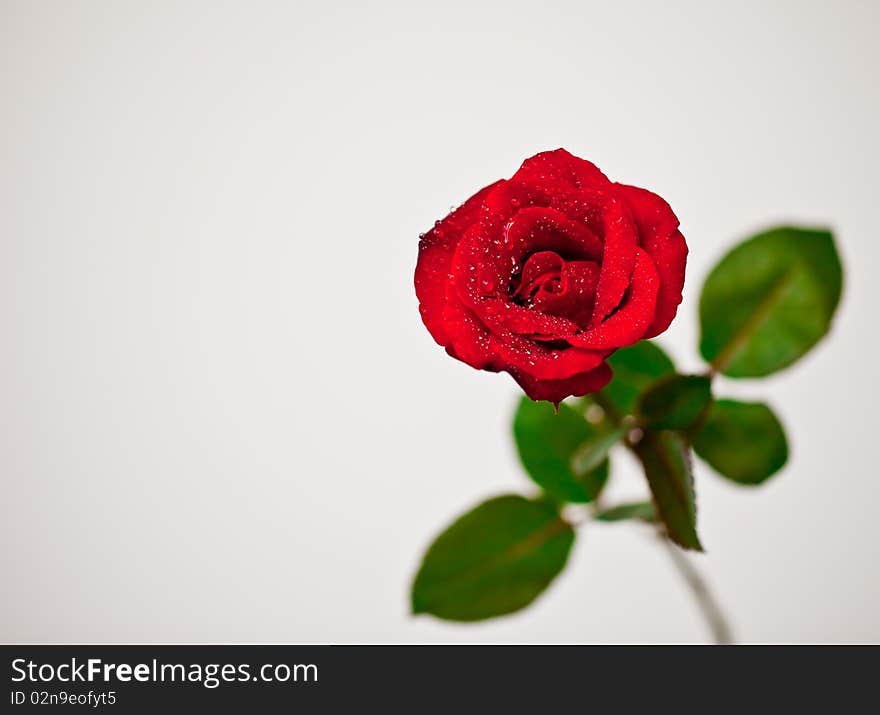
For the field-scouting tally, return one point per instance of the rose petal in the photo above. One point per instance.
(545, 229)
(620, 239)
(544, 179)
(436, 248)
(636, 313)
(558, 169)
(469, 340)
(577, 290)
(539, 362)
(524, 321)
(481, 275)
(537, 269)
(556, 391)
(660, 237)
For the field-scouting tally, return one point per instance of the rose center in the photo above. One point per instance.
(552, 285)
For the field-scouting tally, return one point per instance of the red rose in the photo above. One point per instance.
(544, 275)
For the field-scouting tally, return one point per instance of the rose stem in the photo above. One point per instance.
(712, 613)
(709, 607)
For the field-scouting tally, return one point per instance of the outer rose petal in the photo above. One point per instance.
(543, 363)
(469, 338)
(546, 179)
(556, 391)
(553, 169)
(435, 256)
(660, 237)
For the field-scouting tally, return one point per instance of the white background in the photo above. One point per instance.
(222, 418)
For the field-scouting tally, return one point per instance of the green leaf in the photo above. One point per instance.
(594, 451)
(769, 301)
(666, 460)
(546, 442)
(634, 368)
(743, 441)
(675, 401)
(643, 510)
(496, 559)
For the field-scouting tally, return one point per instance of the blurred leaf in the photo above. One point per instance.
(665, 458)
(769, 301)
(674, 401)
(634, 368)
(643, 510)
(743, 441)
(496, 559)
(594, 451)
(546, 442)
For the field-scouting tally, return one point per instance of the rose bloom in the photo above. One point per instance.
(546, 274)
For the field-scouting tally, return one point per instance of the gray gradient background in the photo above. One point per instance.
(222, 418)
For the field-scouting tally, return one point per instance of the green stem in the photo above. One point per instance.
(711, 610)
(709, 607)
